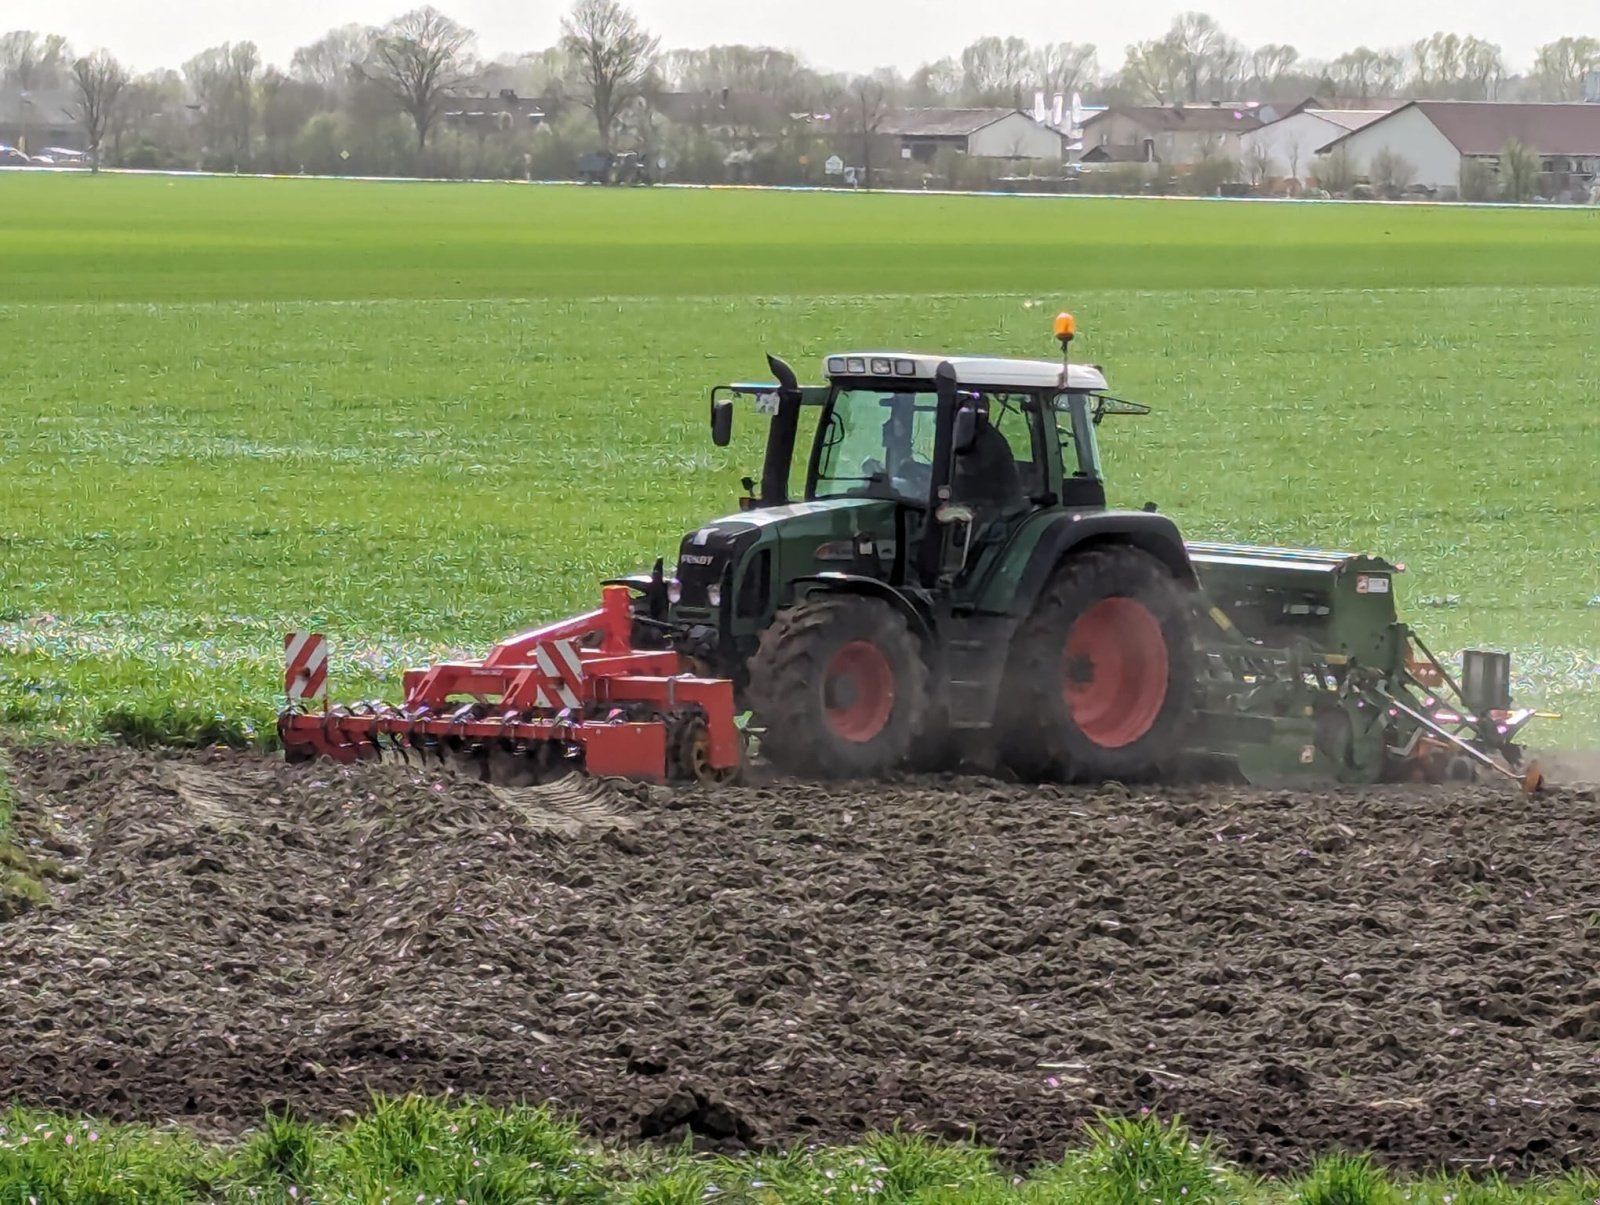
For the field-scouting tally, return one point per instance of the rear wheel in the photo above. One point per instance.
(839, 687)
(1101, 681)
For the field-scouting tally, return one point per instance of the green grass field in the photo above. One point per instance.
(417, 416)
(425, 1151)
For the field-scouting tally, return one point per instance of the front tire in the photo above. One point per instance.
(1102, 672)
(839, 687)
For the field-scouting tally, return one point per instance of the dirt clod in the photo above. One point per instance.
(1406, 971)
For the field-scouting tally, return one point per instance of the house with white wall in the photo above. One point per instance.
(1435, 137)
(1175, 135)
(1287, 148)
(982, 133)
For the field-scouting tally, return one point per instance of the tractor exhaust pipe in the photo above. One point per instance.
(781, 436)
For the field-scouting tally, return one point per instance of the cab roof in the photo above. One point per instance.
(970, 370)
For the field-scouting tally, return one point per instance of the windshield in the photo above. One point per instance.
(878, 445)
(1080, 451)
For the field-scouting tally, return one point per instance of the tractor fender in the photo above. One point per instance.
(1145, 530)
(871, 587)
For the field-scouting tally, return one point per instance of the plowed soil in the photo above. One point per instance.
(1410, 972)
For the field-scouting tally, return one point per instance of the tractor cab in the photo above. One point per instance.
(926, 476)
(1022, 432)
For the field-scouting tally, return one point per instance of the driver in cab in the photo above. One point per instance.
(985, 475)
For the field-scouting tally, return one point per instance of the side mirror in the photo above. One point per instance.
(722, 422)
(966, 430)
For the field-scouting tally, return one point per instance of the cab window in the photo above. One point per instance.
(1008, 414)
(878, 445)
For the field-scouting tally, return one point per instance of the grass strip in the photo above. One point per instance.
(421, 1149)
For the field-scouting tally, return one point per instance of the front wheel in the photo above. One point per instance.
(839, 687)
(1102, 673)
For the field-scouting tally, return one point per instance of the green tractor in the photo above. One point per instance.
(952, 588)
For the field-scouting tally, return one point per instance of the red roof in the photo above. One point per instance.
(1477, 127)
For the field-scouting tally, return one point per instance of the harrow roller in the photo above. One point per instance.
(572, 694)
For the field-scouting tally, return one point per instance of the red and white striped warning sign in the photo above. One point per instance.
(305, 666)
(562, 669)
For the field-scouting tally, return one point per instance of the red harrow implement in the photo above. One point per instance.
(572, 695)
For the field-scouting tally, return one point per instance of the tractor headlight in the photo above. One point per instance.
(674, 591)
(714, 595)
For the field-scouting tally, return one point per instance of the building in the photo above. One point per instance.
(1435, 137)
(502, 113)
(981, 133)
(1176, 135)
(42, 119)
(1287, 148)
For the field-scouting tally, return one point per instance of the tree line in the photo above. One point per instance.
(388, 99)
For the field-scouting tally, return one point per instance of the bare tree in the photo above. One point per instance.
(1066, 67)
(1194, 60)
(542, 72)
(223, 83)
(334, 60)
(244, 64)
(1208, 59)
(615, 57)
(1259, 164)
(1392, 172)
(287, 105)
(99, 81)
(1336, 171)
(737, 68)
(419, 58)
(1519, 172)
(736, 86)
(1270, 63)
(1483, 68)
(869, 103)
(1364, 73)
(1151, 73)
(30, 60)
(1477, 181)
(1560, 67)
(994, 71)
(1295, 150)
(143, 104)
(1446, 66)
(937, 83)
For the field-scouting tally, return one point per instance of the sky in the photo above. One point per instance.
(845, 35)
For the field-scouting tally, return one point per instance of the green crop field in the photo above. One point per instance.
(417, 416)
(422, 1150)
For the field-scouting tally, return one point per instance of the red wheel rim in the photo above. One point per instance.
(858, 687)
(1120, 644)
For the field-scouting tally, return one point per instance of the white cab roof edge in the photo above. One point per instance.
(974, 370)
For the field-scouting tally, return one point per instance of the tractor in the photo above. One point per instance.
(950, 585)
(951, 590)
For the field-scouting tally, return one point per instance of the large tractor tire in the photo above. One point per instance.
(839, 687)
(1101, 676)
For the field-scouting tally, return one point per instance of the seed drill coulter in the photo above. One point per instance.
(948, 586)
